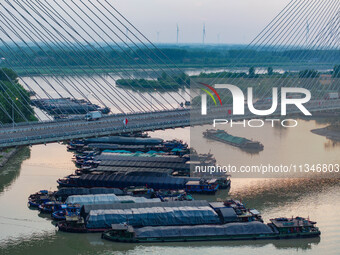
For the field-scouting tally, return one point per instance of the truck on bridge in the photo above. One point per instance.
(95, 115)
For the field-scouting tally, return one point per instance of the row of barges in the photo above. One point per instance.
(160, 170)
(139, 190)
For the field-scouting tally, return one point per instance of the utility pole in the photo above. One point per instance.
(177, 33)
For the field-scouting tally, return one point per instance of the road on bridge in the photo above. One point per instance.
(46, 132)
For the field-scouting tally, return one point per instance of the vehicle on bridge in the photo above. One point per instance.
(96, 115)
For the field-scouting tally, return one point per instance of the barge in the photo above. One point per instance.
(39, 198)
(154, 180)
(95, 218)
(224, 137)
(73, 203)
(279, 228)
(44, 196)
(67, 106)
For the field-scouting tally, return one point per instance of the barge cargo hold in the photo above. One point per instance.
(95, 218)
(102, 219)
(73, 204)
(155, 180)
(107, 199)
(125, 140)
(67, 106)
(224, 137)
(62, 194)
(280, 228)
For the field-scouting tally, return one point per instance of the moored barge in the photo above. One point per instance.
(97, 218)
(155, 180)
(224, 137)
(279, 228)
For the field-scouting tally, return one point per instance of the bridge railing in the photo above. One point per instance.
(49, 123)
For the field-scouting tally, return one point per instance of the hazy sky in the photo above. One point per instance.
(237, 21)
(226, 21)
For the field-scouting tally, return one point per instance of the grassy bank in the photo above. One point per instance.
(6, 155)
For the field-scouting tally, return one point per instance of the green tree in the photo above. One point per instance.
(252, 72)
(14, 99)
(309, 74)
(336, 71)
(270, 70)
(8, 75)
(164, 76)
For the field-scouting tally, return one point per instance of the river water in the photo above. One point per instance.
(24, 231)
(109, 93)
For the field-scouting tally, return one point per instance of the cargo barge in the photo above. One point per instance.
(73, 204)
(128, 143)
(95, 218)
(62, 194)
(279, 228)
(150, 179)
(98, 218)
(67, 106)
(224, 137)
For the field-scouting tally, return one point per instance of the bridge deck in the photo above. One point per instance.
(46, 132)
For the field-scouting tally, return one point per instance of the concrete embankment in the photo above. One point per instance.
(329, 133)
(6, 154)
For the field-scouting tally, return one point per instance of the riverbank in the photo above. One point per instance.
(114, 69)
(328, 133)
(6, 155)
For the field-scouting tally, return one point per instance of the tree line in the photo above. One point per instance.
(41, 57)
(14, 99)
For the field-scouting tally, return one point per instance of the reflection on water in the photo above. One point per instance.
(282, 146)
(62, 243)
(11, 170)
(22, 231)
(330, 145)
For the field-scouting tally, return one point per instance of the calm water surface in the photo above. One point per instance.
(24, 231)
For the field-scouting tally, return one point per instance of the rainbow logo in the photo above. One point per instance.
(210, 94)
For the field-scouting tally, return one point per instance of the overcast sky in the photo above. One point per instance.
(226, 21)
(237, 21)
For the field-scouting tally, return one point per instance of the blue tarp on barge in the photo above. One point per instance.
(244, 228)
(157, 216)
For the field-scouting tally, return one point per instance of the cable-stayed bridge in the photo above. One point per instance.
(78, 49)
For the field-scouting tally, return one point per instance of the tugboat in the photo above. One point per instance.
(224, 137)
(279, 228)
(202, 186)
(69, 211)
(39, 198)
(50, 207)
